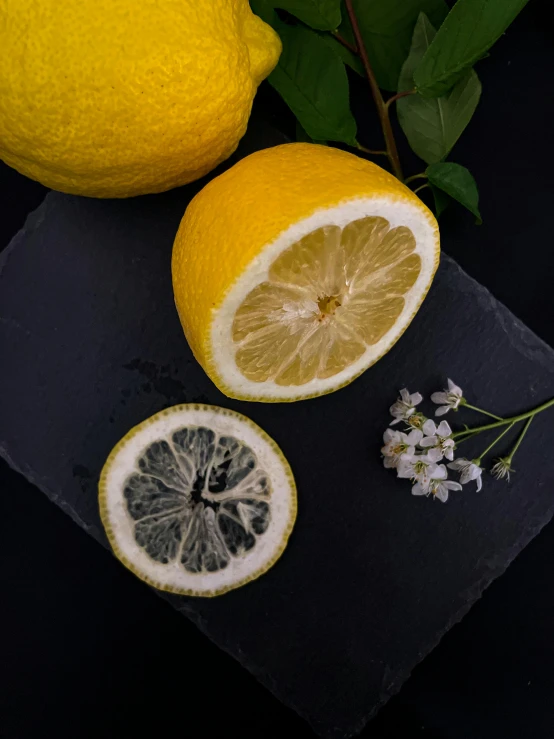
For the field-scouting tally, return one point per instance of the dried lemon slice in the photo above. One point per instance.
(197, 500)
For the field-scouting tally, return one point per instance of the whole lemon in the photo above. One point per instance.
(112, 98)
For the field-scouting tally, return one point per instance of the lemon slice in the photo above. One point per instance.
(197, 500)
(299, 268)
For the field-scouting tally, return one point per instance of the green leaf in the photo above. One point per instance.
(458, 182)
(386, 27)
(312, 81)
(471, 28)
(433, 125)
(302, 136)
(353, 61)
(323, 15)
(442, 200)
(266, 11)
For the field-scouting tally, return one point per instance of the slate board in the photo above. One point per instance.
(90, 345)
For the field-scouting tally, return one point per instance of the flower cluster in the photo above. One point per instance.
(416, 452)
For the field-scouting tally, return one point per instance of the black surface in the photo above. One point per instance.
(130, 674)
(100, 348)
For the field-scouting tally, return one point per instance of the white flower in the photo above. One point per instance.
(418, 467)
(404, 406)
(397, 444)
(468, 471)
(502, 469)
(448, 399)
(438, 440)
(438, 485)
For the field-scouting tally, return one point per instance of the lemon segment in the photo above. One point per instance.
(197, 500)
(297, 269)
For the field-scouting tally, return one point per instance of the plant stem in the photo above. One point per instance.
(513, 419)
(371, 151)
(344, 42)
(398, 95)
(494, 443)
(418, 176)
(480, 410)
(518, 442)
(382, 110)
(421, 187)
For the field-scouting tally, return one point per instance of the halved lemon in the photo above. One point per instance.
(197, 500)
(298, 268)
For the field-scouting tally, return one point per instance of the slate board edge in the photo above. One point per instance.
(506, 319)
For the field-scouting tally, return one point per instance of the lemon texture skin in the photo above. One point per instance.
(230, 221)
(113, 98)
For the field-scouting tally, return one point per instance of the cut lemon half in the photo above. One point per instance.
(197, 500)
(299, 268)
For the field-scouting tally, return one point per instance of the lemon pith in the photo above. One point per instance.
(197, 500)
(115, 98)
(298, 268)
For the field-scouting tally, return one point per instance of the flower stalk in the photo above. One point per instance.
(505, 421)
(494, 443)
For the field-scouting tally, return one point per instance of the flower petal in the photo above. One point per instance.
(454, 389)
(455, 465)
(444, 429)
(405, 395)
(479, 483)
(442, 494)
(429, 428)
(439, 398)
(440, 472)
(441, 410)
(429, 441)
(449, 453)
(414, 437)
(451, 485)
(416, 398)
(418, 489)
(465, 476)
(390, 462)
(389, 435)
(405, 469)
(435, 454)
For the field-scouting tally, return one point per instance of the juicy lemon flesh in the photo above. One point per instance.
(328, 297)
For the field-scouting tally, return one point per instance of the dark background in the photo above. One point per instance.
(88, 651)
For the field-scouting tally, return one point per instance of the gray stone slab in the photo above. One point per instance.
(90, 345)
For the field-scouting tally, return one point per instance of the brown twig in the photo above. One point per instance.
(382, 109)
(373, 152)
(418, 176)
(396, 97)
(345, 43)
(421, 187)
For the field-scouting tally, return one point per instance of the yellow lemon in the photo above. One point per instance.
(298, 268)
(111, 98)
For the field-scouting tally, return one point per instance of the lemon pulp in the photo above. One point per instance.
(328, 297)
